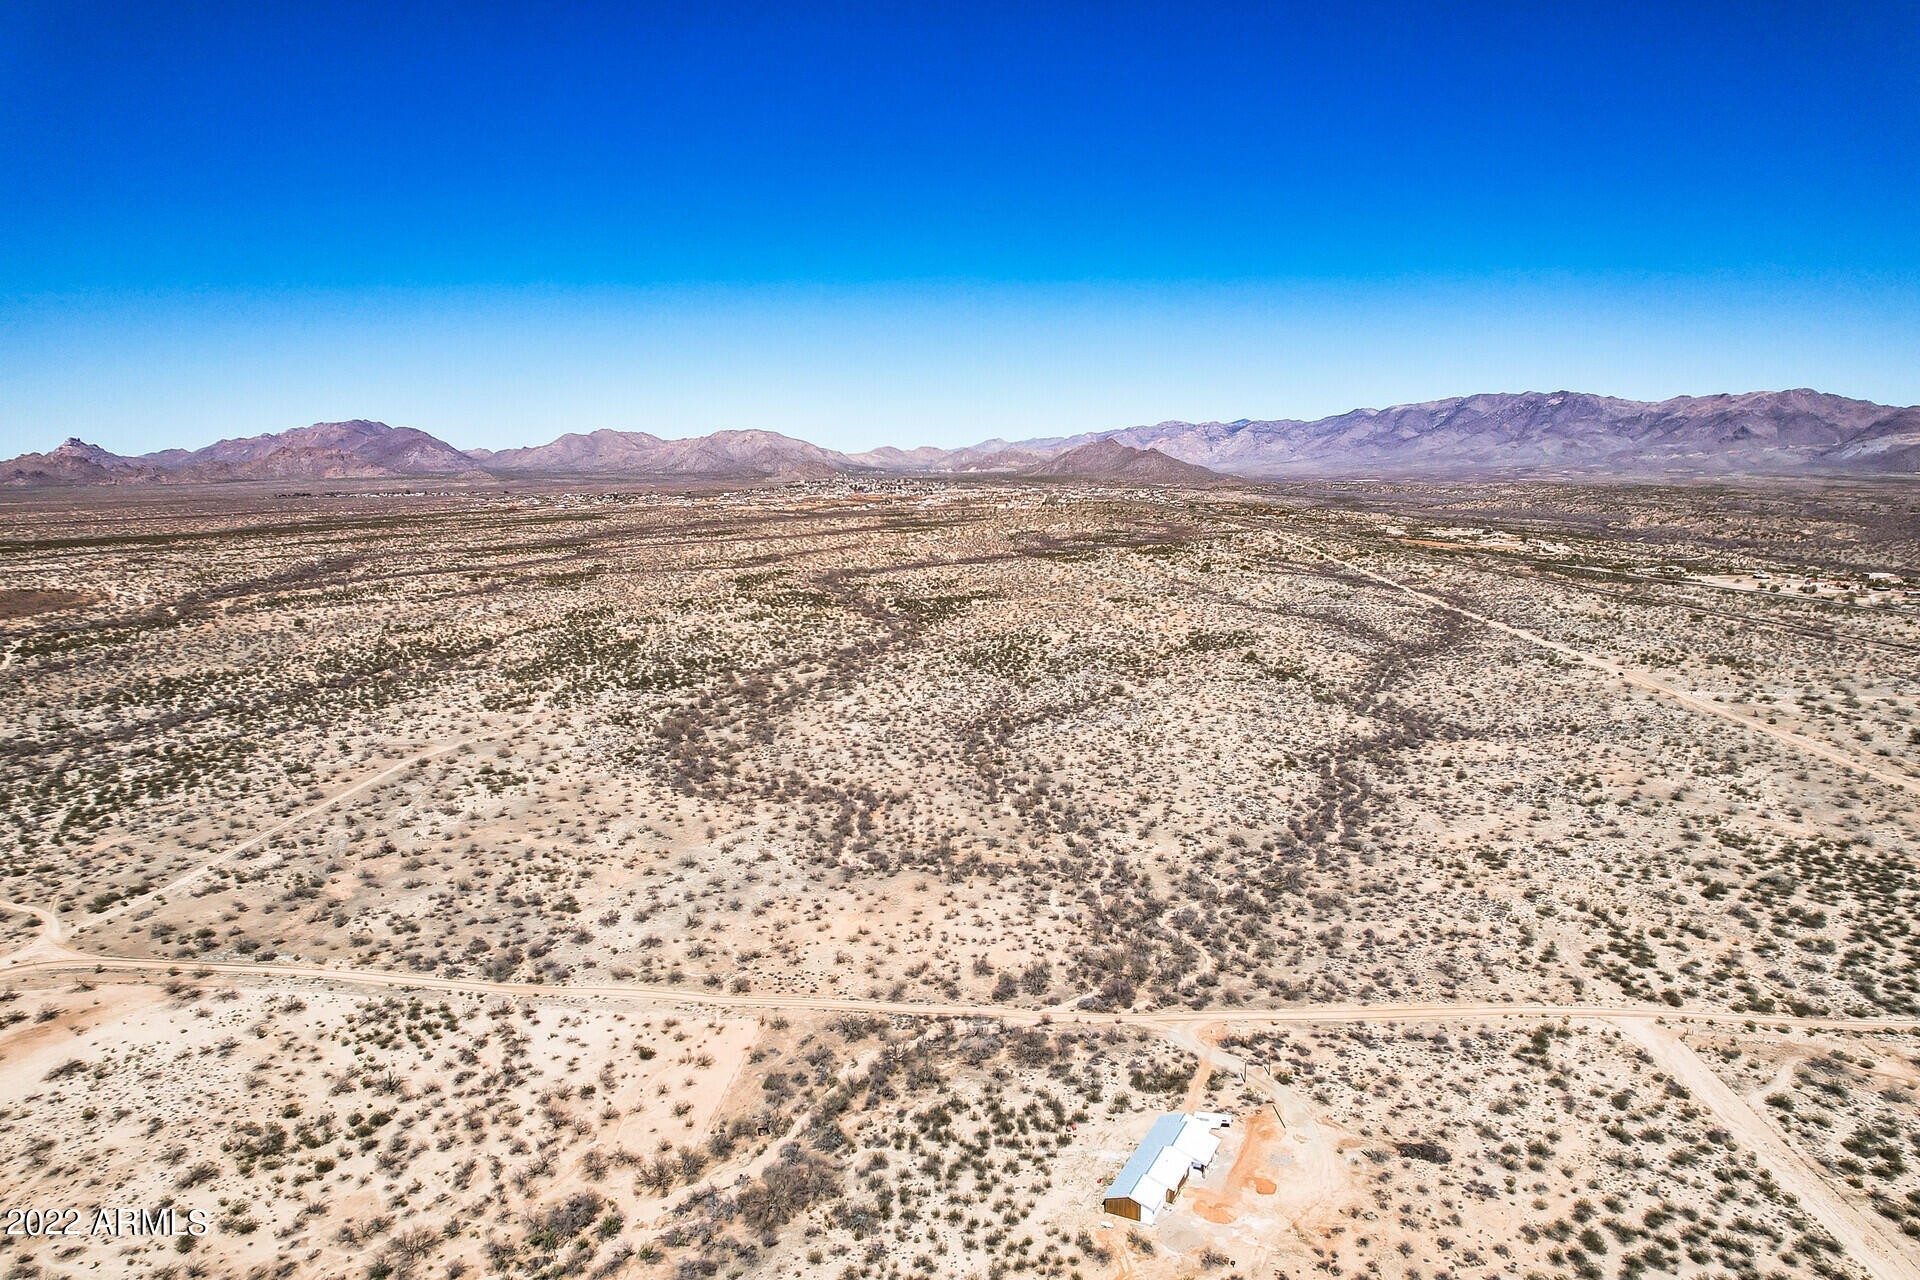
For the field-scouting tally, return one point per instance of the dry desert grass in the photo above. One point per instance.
(804, 880)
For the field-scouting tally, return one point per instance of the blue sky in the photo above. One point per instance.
(868, 224)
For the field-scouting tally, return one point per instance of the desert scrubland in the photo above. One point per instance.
(835, 879)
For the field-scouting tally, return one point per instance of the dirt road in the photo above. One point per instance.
(47, 956)
(1627, 675)
(180, 882)
(49, 921)
(1862, 1237)
(1865, 1238)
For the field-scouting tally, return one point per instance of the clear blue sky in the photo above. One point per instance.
(867, 224)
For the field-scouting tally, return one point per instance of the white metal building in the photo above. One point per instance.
(1177, 1146)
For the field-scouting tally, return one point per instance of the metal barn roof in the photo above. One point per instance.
(1176, 1145)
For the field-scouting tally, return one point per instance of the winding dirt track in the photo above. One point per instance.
(50, 926)
(182, 881)
(1607, 666)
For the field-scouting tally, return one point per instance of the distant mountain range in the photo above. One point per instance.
(1765, 432)
(373, 450)
(1760, 433)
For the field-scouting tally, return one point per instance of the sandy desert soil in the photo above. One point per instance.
(837, 879)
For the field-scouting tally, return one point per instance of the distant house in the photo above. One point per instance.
(1177, 1146)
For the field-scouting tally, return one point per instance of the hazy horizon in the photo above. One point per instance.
(505, 440)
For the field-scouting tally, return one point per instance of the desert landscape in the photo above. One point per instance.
(837, 875)
(959, 642)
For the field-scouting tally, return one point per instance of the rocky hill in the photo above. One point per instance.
(72, 462)
(1112, 461)
(324, 451)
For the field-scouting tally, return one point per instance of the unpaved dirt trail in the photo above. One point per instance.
(50, 957)
(181, 881)
(1865, 1240)
(1200, 1041)
(1317, 1178)
(1607, 666)
(50, 928)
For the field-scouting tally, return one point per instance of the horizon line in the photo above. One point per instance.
(1194, 422)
